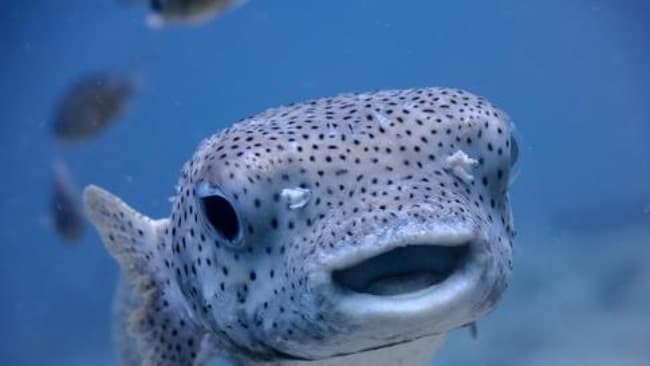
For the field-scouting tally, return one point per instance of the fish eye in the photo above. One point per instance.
(514, 150)
(515, 153)
(220, 213)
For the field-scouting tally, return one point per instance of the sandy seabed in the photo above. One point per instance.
(575, 299)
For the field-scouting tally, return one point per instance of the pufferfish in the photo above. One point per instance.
(352, 230)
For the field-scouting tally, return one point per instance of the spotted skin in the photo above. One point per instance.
(236, 270)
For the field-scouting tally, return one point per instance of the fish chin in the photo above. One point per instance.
(396, 288)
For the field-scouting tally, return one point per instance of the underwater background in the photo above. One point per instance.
(573, 75)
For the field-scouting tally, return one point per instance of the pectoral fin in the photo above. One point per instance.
(158, 316)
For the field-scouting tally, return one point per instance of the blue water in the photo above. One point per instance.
(573, 75)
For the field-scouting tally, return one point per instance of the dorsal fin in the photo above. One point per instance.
(158, 318)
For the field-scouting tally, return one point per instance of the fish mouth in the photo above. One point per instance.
(403, 270)
(411, 275)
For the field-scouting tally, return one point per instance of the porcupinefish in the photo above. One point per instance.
(190, 12)
(91, 104)
(351, 230)
(65, 206)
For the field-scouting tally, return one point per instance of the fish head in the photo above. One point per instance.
(347, 224)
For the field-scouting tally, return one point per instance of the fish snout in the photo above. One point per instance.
(412, 281)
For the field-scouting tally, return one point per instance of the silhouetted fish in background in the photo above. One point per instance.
(65, 206)
(188, 12)
(91, 104)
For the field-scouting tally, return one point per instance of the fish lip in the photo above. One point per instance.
(460, 289)
(403, 272)
(373, 245)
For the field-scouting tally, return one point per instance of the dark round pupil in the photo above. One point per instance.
(221, 215)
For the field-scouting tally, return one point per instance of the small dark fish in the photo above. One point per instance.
(65, 205)
(91, 104)
(167, 12)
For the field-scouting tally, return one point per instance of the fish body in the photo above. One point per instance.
(168, 12)
(340, 231)
(90, 105)
(65, 206)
